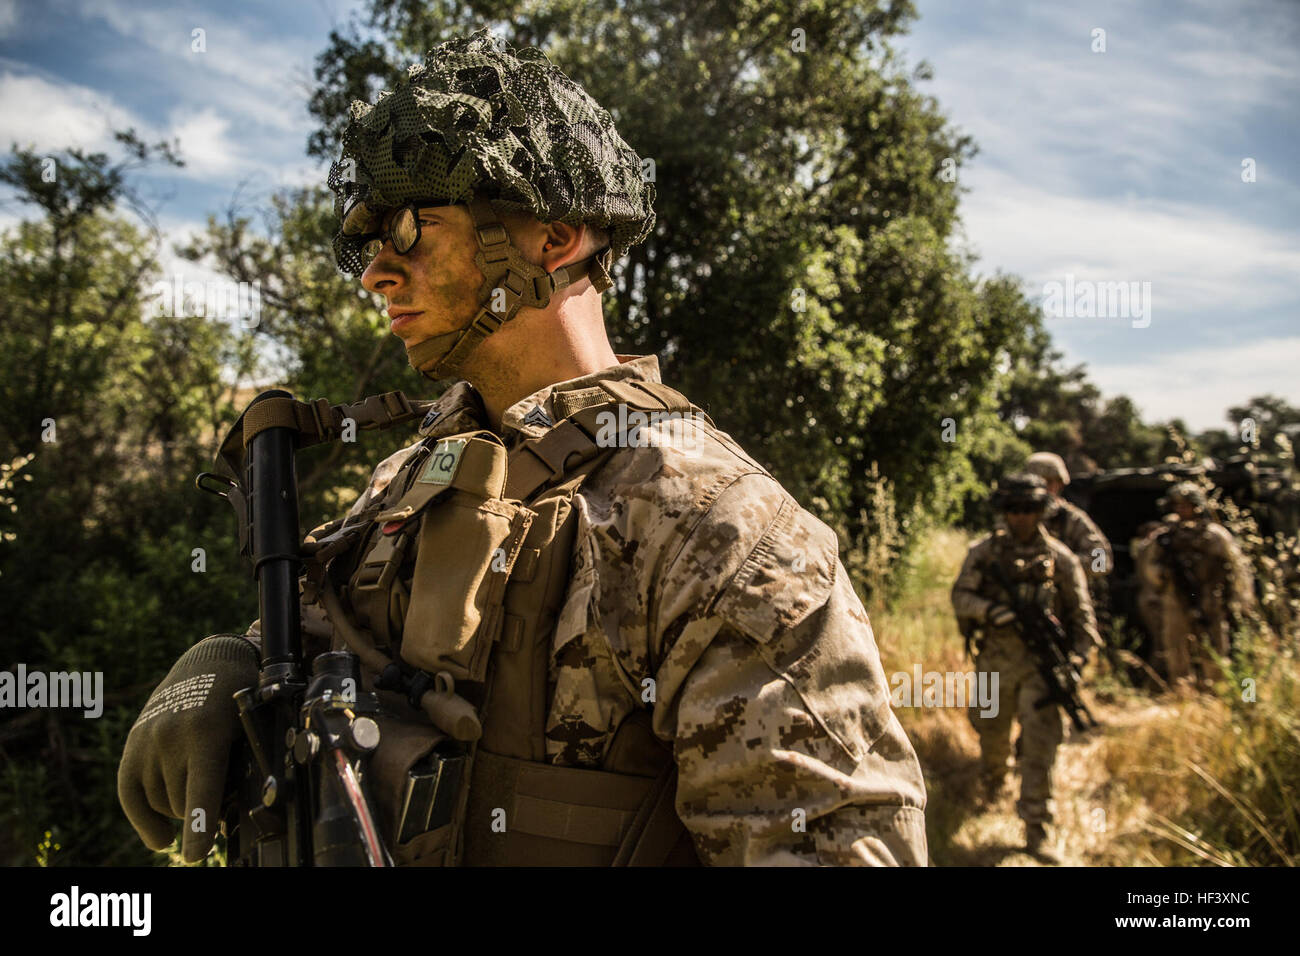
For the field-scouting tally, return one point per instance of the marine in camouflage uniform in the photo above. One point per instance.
(1042, 569)
(705, 630)
(1067, 522)
(1071, 525)
(1190, 548)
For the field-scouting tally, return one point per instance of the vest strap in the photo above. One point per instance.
(566, 403)
(647, 396)
(316, 421)
(572, 442)
(655, 832)
(542, 460)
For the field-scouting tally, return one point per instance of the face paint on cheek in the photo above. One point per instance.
(442, 286)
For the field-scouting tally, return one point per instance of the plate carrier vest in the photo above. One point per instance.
(448, 586)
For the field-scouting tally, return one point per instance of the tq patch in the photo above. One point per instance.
(442, 464)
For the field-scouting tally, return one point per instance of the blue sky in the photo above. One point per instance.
(1125, 166)
(1122, 166)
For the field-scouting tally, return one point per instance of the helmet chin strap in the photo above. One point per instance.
(512, 281)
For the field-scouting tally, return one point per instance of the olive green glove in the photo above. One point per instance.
(176, 754)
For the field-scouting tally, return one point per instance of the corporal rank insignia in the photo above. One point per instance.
(538, 416)
(430, 418)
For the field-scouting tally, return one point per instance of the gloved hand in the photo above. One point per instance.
(999, 615)
(176, 754)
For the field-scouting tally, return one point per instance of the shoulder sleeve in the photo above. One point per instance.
(1088, 539)
(1236, 563)
(967, 599)
(1072, 586)
(772, 693)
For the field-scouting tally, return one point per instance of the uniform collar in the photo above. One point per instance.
(535, 414)
(460, 408)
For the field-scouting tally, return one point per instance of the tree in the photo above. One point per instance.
(1257, 424)
(115, 410)
(1058, 409)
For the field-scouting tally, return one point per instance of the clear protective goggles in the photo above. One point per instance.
(362, 225)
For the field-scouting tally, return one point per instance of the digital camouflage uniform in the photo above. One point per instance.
(694, 569)
(1070, 524)
(1050, 574)
(1187, 624)
(658, 611)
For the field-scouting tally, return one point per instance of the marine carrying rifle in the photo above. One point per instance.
(302, 798)
(1047, 643)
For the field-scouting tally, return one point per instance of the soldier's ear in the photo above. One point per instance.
(561, 235)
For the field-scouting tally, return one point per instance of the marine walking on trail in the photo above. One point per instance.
(1012, 580)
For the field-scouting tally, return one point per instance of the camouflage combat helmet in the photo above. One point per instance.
(1020, 490)
(1047, 466)
(480, 121)
(1184, 491)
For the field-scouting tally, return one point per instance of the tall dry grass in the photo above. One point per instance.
(916, 626)
(1213, 779)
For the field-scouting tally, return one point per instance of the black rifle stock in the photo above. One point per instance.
(299, 781)
(1047, 642)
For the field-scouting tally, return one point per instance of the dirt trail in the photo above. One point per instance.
(964, 833)
(1103, 779)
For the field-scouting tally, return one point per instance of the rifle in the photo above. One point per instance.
(300, 793)
(1047, 640)
(969, 630)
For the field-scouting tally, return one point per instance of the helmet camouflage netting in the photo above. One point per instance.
(479, 116)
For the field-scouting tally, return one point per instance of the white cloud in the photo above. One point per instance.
(1194, 258)
(56, 116)
(1198, 385)
(1169, 95)
(241, 71)
(206, 144)
(1125, 166)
